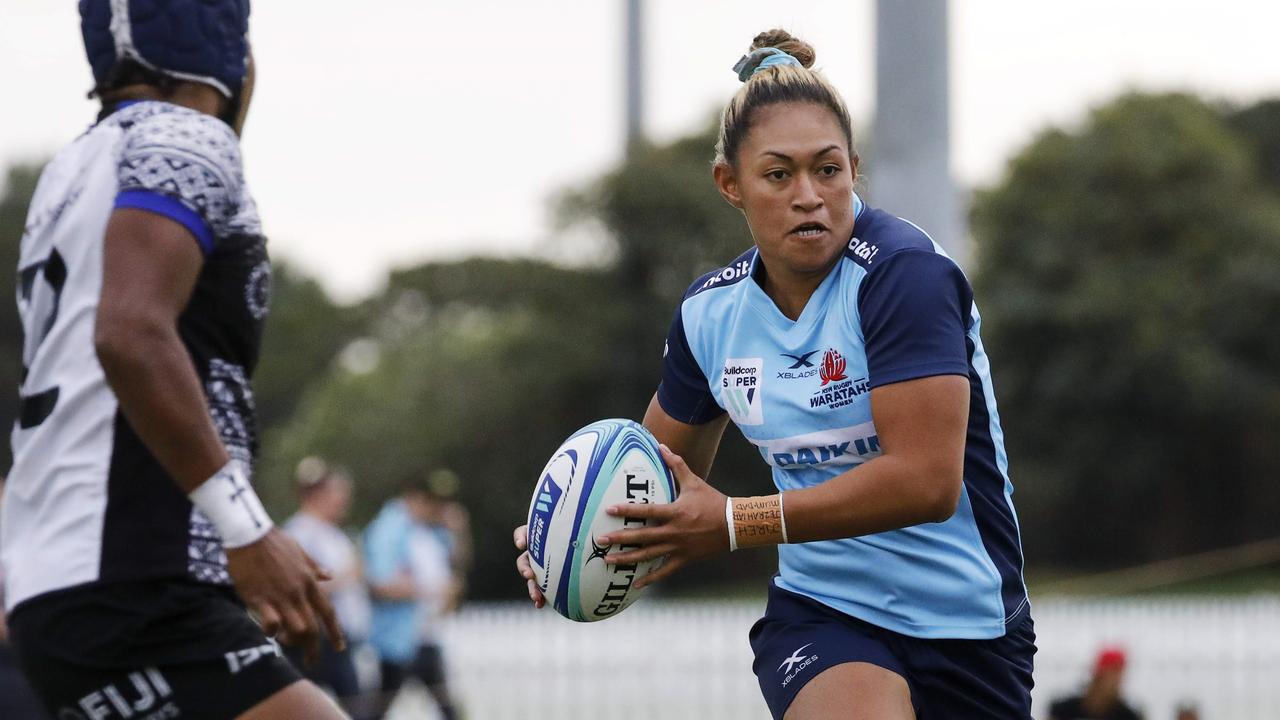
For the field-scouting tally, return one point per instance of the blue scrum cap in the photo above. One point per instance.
(199, 40)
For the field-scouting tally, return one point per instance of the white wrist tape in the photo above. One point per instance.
(782, 516)
(230, 503)
(728, 520)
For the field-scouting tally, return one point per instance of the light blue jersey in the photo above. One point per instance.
(894, 308)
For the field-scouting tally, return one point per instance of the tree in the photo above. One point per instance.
(19, 186)
(1129, 272)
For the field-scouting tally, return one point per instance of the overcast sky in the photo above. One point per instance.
(389, 131)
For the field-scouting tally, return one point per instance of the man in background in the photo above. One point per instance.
(1101, 699)
(324, 493)
(410, 560)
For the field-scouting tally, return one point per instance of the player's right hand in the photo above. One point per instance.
(525, 569)
(280, 583)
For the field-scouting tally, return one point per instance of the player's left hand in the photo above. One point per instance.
(691, 528)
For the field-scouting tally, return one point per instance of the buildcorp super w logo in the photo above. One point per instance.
(740, 387)
(837, 390)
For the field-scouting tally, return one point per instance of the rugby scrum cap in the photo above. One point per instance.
(199, 40)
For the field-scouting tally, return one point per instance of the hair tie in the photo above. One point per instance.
(757, 60)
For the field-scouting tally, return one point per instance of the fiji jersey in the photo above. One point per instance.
(894, 308)
(85, 501)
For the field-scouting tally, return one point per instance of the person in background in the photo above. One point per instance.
(1101, 699)
(409, 569)
(144, 578)
(1187, 711)
(324, 493)
(452, 524)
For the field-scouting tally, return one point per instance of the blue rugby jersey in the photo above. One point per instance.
(893, 308)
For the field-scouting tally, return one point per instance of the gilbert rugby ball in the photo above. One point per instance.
(605, 463)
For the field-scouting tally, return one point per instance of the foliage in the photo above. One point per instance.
(19, 186)
(1130, 276)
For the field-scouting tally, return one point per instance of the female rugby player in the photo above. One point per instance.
(132, 539)
(845, 345)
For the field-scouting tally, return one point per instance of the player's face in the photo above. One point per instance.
(793, 178)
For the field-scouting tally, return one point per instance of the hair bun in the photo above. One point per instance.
(784, 41)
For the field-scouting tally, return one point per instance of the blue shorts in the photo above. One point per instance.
(798, 637)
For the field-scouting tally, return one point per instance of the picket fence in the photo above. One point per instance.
(676, 660)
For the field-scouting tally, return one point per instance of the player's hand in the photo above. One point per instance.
(525, 569)
(691, 528)
(281, 584)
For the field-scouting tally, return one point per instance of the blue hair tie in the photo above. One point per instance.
(757, 60)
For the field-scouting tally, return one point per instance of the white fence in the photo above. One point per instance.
(663, 659)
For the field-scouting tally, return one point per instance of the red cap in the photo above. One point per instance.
(1110, 658)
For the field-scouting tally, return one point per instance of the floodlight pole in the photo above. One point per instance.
(634, 68)
(910, 150)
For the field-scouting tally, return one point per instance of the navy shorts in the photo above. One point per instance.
(147, 650)
(799, 637)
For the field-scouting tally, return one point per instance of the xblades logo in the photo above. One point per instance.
(801, 360)
(790, 662)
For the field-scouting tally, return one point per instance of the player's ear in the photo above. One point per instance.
(727, 183)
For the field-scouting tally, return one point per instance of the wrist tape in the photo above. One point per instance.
(755, 521)
(230, 503)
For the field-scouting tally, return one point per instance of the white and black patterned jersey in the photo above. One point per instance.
(86, 502)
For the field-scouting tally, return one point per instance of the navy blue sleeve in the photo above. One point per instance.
(915, 315)
(684, 394)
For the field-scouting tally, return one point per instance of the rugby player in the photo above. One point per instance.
(845, 345)
(132, 538)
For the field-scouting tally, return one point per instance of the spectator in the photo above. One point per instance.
(324, 493)
(1101, 699)
(409, 557)
(1187, 711)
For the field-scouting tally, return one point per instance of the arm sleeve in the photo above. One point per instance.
(684, 394)
(914, 311)
(184, 166)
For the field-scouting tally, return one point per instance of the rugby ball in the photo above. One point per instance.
(603, 464)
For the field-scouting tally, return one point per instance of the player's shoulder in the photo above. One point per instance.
(154, 126)
(879, 236)
(723, 277)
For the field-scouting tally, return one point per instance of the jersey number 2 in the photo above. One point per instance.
(39, 312)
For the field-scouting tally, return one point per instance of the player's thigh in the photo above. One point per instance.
(299, 700)
(853, 691)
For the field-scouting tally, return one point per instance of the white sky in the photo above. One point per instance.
(390, 131)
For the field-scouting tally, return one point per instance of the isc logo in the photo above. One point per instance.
(863, 249)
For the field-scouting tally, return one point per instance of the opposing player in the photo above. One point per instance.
(845, 345)
(129, 522)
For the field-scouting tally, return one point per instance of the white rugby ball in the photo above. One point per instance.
(603, 464)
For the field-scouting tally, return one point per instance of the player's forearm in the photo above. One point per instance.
(159, 392)
(697, 444)
(884, 494)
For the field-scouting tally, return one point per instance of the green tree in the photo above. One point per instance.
(19, 186)
(1260, 125)
(303, 333)
(1129, 273)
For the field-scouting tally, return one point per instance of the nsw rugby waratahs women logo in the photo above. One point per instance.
(832, 369)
